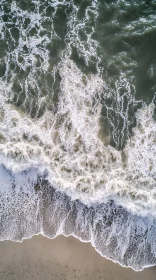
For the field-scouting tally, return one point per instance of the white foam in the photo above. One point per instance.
(67, 144)
(72, 147)
(31, 206)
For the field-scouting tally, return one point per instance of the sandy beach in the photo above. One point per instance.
(63, 258)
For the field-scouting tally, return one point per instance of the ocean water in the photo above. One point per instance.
(78, 124)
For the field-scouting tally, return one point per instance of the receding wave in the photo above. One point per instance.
(77, 146)
(31, 205)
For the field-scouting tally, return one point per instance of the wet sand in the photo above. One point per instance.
(63, 258)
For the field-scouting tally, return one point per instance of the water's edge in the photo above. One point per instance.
(31, 206)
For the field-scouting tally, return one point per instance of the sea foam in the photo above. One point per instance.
(30, 205)
(60, 173)
(67, 144)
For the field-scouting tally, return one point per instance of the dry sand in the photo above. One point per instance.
(61, 259)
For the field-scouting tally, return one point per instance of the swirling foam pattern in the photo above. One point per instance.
(77, 130)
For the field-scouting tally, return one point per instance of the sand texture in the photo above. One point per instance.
(62, 258)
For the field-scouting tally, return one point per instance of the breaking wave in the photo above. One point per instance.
(77, 154)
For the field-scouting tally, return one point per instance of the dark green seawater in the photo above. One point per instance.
(117, 36)
(77, 114)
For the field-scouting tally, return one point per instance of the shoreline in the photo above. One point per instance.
(81, 241)
(61, 258)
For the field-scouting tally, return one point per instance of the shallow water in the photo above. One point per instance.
(77, 124)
